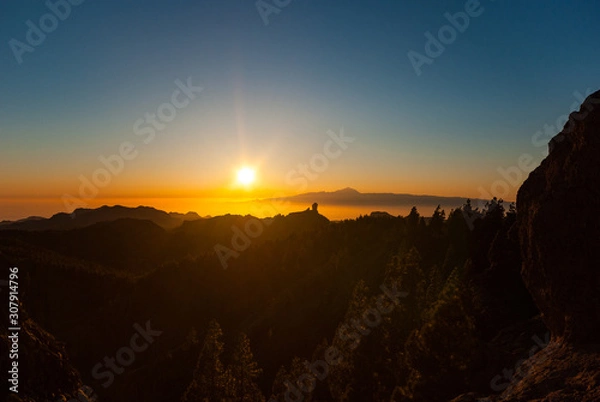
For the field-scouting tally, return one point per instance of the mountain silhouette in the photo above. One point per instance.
(82, 217)
(351, 197)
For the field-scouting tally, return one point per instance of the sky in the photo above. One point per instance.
(134, 102)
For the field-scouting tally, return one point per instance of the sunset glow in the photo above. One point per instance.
(259, 110)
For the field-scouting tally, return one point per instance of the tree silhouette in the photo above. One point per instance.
(413, 280)
(210, 378)
(244, 371)
(347, 340)
(437, 222)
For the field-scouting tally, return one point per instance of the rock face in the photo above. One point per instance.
(559, 373)
(45, 371)
(559, 229)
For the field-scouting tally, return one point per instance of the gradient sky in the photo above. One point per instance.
(272, 92)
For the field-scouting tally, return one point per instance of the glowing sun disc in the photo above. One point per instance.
(246, 176)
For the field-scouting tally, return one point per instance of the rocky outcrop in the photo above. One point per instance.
(559, 224)
(559, 373)
(45, 371)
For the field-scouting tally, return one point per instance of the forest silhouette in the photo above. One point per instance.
(304, 292)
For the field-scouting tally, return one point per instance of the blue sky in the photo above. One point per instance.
(272, 91)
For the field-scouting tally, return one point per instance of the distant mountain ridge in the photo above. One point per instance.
(83, 217)
(352, 197)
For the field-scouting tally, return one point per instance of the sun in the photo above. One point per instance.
(246, 176)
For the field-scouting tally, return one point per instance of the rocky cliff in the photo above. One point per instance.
(559, 224)
(559, 229)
